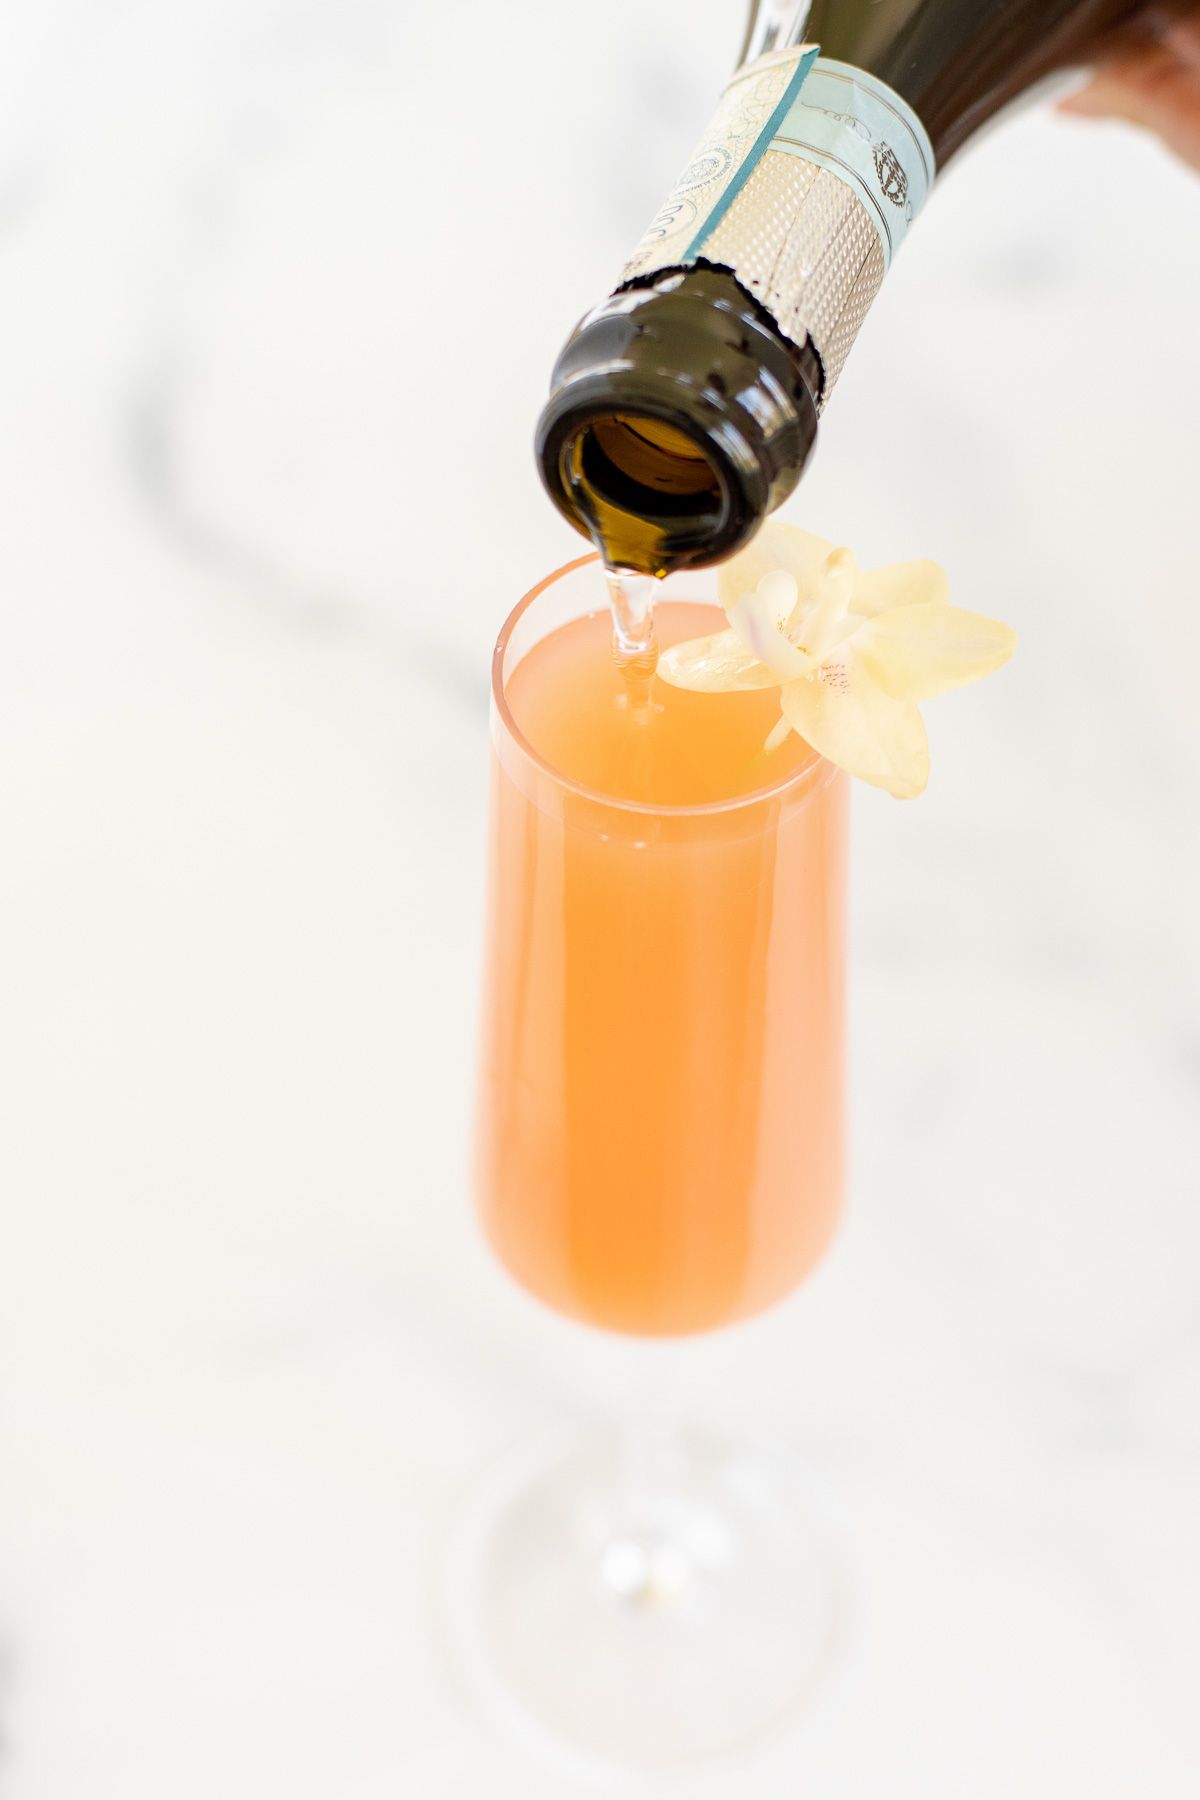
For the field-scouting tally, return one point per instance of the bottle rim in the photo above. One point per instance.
(588, 400)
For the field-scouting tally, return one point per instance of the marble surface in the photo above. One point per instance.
(279, 287)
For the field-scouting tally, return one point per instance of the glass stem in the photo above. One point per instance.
(646, 1560)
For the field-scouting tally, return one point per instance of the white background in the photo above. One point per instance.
(280, 285)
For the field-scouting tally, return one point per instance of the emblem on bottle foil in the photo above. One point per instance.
(712, 164)
(893, 182)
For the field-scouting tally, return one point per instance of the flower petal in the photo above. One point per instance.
(774, 546)
(721, 664)
(822, 620)
(917, 651)
(755, 620)
(779, 734)
(846, 716)
(900, 584)
(778, 591)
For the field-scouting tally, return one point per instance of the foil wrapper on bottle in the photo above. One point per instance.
(803, 187)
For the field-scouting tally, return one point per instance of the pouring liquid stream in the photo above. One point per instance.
(635, 654)
(634, 646)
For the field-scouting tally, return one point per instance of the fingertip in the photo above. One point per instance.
(1082, 104)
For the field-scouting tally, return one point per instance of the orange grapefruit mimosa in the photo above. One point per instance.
(660, 1143)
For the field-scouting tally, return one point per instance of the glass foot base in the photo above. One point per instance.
(669, 1609)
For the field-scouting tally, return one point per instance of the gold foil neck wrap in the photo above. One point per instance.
(796, 236)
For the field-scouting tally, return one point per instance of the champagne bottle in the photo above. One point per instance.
(684, 407)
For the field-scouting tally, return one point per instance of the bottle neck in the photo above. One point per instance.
(773, 25)
(956, 62)
(678, 419)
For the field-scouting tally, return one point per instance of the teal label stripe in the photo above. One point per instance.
(761, 145)
(858, 128)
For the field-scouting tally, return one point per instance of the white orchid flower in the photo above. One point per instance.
(851, 650)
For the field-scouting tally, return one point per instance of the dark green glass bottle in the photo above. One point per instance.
(683, 408)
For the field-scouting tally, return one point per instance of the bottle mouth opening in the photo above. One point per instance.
(641, 485)
(648, 463)
(678, 418)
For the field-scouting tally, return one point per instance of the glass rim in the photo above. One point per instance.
(814, 773)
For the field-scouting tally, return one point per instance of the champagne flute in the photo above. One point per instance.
(659, 1153)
